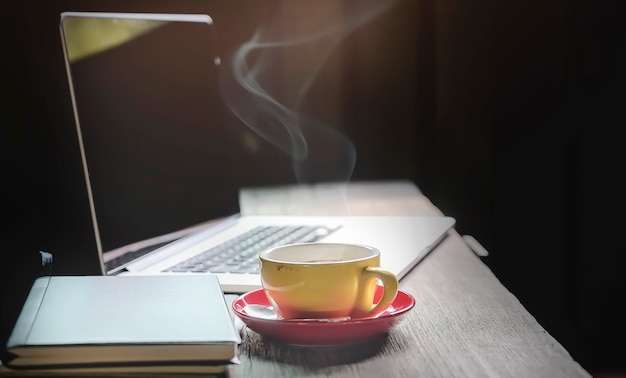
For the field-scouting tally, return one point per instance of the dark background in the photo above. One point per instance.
(509, 117)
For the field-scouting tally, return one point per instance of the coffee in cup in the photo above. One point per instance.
(326, 280)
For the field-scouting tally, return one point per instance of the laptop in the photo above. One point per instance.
(165, 159)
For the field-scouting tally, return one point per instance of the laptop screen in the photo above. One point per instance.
(161, 150)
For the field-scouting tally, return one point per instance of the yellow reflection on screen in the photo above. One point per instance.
(88, 36)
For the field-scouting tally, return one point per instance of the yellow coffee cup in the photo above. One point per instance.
(325, 280)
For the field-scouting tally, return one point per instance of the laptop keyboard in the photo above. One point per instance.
(240, 254)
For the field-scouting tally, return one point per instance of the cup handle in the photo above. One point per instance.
(364, 306)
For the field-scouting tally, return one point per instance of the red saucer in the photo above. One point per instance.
(312, 333)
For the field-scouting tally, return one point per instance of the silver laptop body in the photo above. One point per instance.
(164, 158)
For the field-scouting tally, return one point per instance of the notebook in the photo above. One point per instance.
(181, 324)
(165, 159)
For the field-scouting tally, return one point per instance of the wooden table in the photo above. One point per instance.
(465, 322)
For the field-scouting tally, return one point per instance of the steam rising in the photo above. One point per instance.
(268, 98)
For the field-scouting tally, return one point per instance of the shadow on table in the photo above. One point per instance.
(256, 345)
